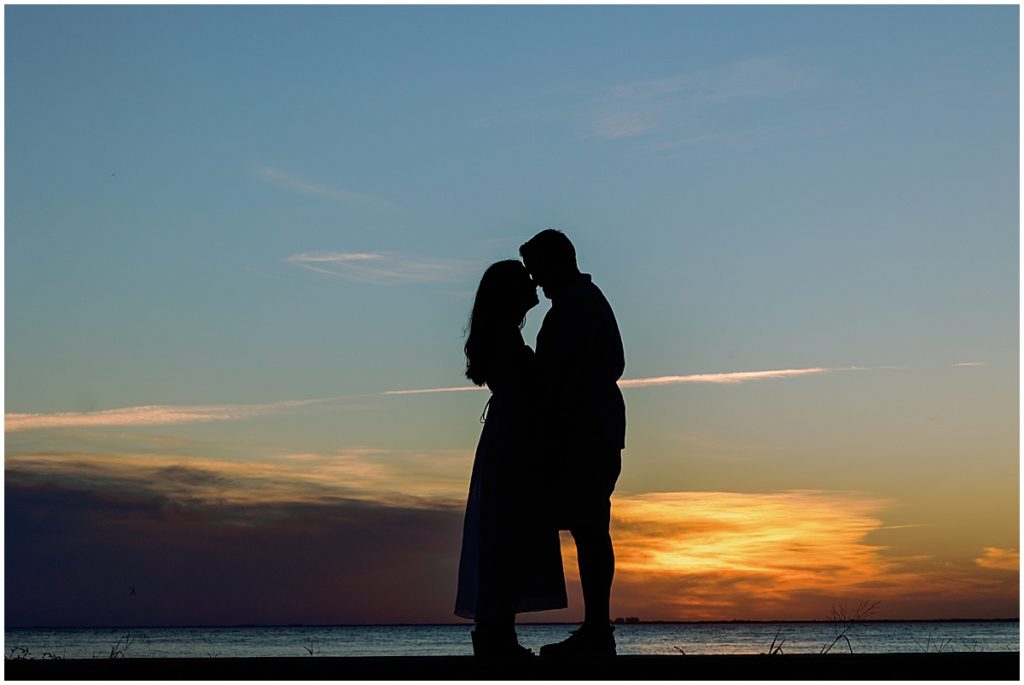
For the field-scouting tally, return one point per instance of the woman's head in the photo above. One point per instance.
(506, 292)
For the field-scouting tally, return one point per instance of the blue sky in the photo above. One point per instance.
(707, 160)
(225, 206)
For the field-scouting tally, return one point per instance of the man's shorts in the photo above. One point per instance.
(584, 500)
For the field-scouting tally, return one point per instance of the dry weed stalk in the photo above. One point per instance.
(844, 622)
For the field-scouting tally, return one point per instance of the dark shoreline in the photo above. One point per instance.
(944, 666)
(521, 623)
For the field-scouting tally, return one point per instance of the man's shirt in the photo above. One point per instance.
(580, 359)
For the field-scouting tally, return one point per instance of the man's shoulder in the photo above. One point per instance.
(583, 291)
(583, 302)
(594, 292)
(592, 298)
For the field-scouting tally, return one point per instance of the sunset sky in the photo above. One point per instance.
(242, 243)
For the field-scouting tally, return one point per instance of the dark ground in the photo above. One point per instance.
(946, 666)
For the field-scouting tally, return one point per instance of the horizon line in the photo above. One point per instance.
(469, 623)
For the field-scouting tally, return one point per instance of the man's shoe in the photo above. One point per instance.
(586, 642)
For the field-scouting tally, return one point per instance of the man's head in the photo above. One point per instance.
(551, 260)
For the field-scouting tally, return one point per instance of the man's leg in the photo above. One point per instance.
(592, 514)
(597, 568)
(594, 546)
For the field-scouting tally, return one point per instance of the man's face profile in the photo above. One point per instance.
(537, 272)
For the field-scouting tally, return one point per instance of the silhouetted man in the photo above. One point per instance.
(580, 358)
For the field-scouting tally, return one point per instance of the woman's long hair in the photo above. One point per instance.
(499, 304)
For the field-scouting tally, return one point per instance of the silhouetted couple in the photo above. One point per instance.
(549, 453)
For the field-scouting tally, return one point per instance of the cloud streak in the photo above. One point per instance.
(283, 179)
(726, 378)
(651, 105)
(999, 559)
(676, 144)
(386, 268)
(401, 478)
(755, 77)
(156, 415)
(149, 415)
(424, 391)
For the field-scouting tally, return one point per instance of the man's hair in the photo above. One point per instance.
(551, 247)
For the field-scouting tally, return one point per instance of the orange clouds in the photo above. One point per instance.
(727, 555)
(680, 555)
(999, 559)
(750, 533)
(719, 554)
(382, 475)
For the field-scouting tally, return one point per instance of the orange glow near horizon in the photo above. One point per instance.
(679, 555)
(757, 534)
(1000, 559)
(726, 555)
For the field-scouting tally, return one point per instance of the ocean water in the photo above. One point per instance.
(453, 640)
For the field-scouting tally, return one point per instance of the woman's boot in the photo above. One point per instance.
(498, 643)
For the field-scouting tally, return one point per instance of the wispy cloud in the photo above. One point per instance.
(149, 415)
(153, 415)
(675, 144)
(423, 391)
(755, 77)
(386, 268)
(409, 478)
(653, 105)
(728, 377)
(624, 124)
(427, 477)
(970, 363)
(999, 559)
(291, 182)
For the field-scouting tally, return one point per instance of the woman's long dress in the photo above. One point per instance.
(511, 558)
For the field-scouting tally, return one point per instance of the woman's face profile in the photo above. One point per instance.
(530, 299)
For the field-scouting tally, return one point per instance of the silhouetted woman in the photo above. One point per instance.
(511, 560)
